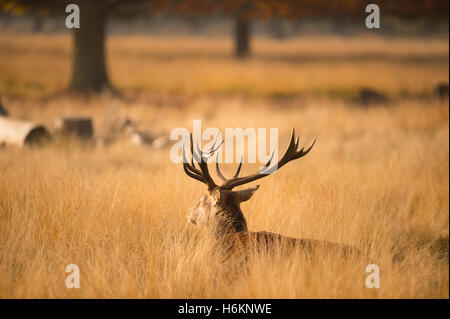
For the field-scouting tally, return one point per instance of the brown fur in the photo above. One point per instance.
(220, 212)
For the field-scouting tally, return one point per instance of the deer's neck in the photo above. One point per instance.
(231, 221)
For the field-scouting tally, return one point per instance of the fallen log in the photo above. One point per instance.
(79, 127)
(441, 91)
(368, 97)
(21, 133)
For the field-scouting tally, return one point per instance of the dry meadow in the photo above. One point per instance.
(378, 177)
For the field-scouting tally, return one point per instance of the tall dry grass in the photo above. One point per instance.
(332, 66)
(378, 178)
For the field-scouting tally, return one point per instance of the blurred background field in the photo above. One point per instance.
(327, 65)
(378, 177)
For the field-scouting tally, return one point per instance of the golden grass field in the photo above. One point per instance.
(378, 178)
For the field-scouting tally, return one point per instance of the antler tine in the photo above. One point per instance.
(270, 159)
(239, 167)
(296, 141)
(204, 168)
(194, 154)
(190, 170)
(309, 147)
(191, 166)
(292, 144)
(201, 175)
(290, 154)
(291, 150)
(219, 173)
(212, 149)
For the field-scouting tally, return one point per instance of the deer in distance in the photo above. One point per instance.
(219, 210)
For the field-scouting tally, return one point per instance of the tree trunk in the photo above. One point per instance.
(89, 69)
(38, 23)
(242, 36)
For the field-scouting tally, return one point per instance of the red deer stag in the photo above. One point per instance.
(220, 211)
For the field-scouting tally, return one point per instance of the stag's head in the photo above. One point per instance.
(220, 207)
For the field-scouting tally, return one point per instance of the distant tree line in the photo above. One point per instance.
(89, 72)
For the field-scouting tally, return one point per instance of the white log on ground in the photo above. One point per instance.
(21, 133)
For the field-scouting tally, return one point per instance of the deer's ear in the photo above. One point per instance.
(246, 194)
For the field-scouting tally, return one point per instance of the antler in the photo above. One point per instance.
(201, 174)
(291, 153)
